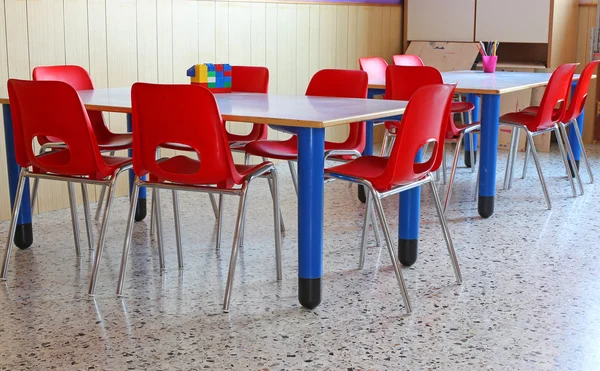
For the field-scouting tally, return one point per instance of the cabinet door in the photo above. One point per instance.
(517, 21)
(440, 20)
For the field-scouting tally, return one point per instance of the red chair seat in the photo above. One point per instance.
(189, 166)
(288, 149)
(461, 107)
(115, 142)
(365, 167)
(62, 157)
(523, 118)
(533, 110)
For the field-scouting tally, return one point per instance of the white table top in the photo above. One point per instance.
(478, 82)
(285, 110)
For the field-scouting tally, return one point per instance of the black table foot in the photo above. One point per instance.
(361, 193)
(407, 251)
(309, 292)
(467, 157)
(486, 206)
(23, 236)
(140, 210)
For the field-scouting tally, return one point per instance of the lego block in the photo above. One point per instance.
(216, 77)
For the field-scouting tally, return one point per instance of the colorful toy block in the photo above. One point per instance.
(215, 77)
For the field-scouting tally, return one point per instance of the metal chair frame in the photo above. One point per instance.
(267, 170)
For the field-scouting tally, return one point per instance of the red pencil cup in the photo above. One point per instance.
(489, 63)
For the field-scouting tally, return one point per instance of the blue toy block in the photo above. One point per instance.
(191, 72)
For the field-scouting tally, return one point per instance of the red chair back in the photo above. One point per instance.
(343, 84)
(409, 60)
(556, 93)
(374, 67)
(181, 114)
(53, 109)
(424, 121)
(403, 81)
(579, 97)
(79, 79)
(247, 79)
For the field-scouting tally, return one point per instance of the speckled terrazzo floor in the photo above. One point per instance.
(530, 298)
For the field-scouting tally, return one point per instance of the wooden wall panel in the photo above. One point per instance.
(4, 198)
(587, 20)
(46, 37)
(124, 41)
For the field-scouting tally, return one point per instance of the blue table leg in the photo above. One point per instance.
(473, 98)
(572, 136)
(23, 237)
(311, 164)
(488, 153)
(409, 218)
(140, 210)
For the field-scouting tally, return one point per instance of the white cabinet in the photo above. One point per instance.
(440, 20)
(519, 21)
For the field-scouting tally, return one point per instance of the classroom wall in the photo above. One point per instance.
(124, 41)
(587, 20)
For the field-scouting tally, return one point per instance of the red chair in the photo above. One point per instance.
(409, 60)
(325, 83)
(245, 79)
(546, 120)
(188, 115)
(53, 109)
(249, 80)
(424, 122)
(576, 107)
(108, 141)
(401, 83)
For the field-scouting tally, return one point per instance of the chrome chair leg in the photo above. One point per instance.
(563, 154)
(235, 249)
(563, 133)
(444, 165)
(539, 168)
(366, 222)
(375, 227)
(213, 203)
(280, 214)
(471, 142)
(527, 151)
(449, 245)
(101, 198)
(294, 175)
(13, 225)
(515, 152)
(34, 192)
(583, 152)
(102, 234)
(88, 219)
(453, 172)
(509, 158)
(220, 220)
(390, 246)
(152, 215)
(276, 223)
(472, 152)
(246, 158)
(384, 144)
(74, 218)
(128, 234)
(159, 230)
(177, 229)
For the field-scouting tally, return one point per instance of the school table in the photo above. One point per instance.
(484, 91)
(310, 115)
